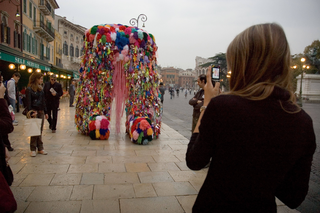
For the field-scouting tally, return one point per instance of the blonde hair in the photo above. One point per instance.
(259, 59)
(33, 81)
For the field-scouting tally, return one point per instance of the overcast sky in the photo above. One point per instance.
(184, 29)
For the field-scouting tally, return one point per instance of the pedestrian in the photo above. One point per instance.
(8, 202)
(260, 142)
(36, 101)
(197, 100)
(186, 93)
(3, 136)
(162, 91)
(72, 92)
(11, 87)
(177, 92)
(53, 92)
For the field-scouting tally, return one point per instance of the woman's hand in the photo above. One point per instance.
(2, 90)
(210, 91)
(46, 116)
(7, 155)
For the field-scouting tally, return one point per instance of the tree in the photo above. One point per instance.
(312, 53)
(219, 60)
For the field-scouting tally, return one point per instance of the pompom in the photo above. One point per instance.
(92, 135)
(97, 133)
(98, 123)
(104, 124)
(135, 135)
(140, 138)
(92, 125)
(103, 39)
(144, 125)
(94, 29)
(91, 37)
(113, 36)
(127, 31)
(149, 132)
(140, 34)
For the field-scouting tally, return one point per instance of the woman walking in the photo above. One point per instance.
(36, 102)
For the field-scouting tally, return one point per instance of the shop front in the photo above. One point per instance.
(12, 61)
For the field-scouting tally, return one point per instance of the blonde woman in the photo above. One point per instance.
(36, 101)
(260, 142)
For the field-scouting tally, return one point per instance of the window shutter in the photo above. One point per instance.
(19, 41)
(2, 32)
(8, 35)
(14, 39)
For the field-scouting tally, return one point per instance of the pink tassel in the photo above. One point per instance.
(120, 92)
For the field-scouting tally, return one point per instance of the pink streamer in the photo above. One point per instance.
(120, 92)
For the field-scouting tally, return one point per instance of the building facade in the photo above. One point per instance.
(199, 61)
(170, 77)
(187, 79)
(310, 87)
(71, 43)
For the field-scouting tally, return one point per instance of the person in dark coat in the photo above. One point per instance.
(36, 102)
(6, 127)
(72, 92)
(197, 100)
(53, 92)
(5, 137)
(260, 142)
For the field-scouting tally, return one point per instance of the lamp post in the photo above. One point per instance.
(134, 21)
(301, 77)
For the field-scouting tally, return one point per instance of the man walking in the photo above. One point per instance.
(12, 94)
(53, 92)
(72, 92)
(162, 91)
(197, 100)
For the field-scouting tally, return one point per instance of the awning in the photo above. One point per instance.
(14, 56)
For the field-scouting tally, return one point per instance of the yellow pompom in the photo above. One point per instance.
(97, 133)
(149, 131)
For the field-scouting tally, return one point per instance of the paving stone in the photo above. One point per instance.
(147, 205)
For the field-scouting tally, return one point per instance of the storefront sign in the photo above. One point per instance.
(14, 59)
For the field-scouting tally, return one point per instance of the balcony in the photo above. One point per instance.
(44, 31)
(45, 7)
(73, 59)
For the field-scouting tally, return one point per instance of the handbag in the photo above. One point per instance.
(25, 111)
(32, 126)
(8, 175)
(7, 201)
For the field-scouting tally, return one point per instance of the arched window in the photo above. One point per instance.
(25, 39)
(65, 48)
(5, 30)
(71, 50)
(77, 51)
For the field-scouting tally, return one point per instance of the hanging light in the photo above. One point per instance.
(12, 66)
(57, 75)
(38, 70)
(17, 13)
(29, 70)
(61, 76)
(22, 67)
(69, 77)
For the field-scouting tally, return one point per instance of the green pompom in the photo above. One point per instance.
(94, 29)
(151, 36)
(103, 39)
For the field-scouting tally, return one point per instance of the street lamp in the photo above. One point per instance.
(134, 21)
(302, 68)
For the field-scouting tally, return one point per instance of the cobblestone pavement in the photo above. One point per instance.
(178, 115)
(80, 175)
